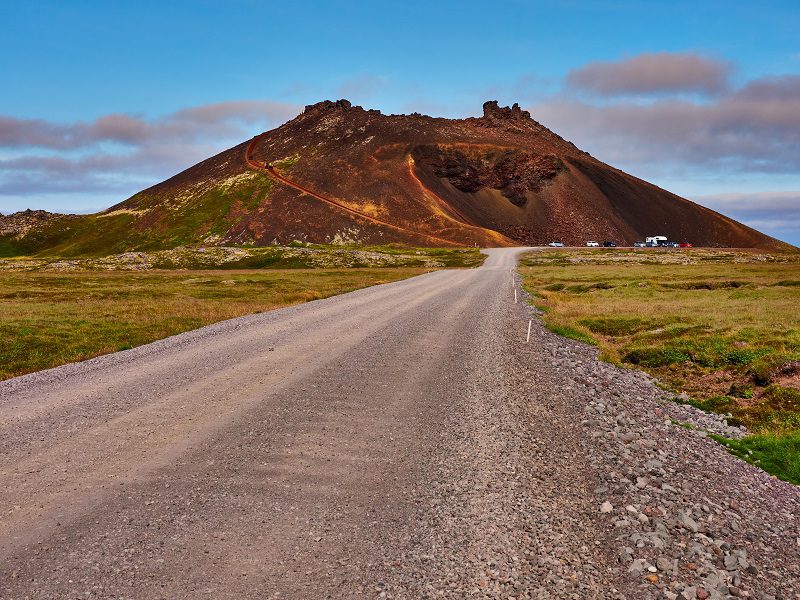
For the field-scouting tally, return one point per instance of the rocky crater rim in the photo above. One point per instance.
(19, 223)
(514, 172)
(492, 111)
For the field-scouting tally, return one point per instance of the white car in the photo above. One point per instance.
(556, 244)
(593, 244)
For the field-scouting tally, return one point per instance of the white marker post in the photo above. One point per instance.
(528, 339)
(515, 295)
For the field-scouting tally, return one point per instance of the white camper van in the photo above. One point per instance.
(655, 240)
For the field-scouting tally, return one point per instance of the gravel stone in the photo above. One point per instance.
(399, 442)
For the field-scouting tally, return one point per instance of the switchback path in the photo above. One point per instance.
(446, 210)
(400, 441)
(275, 174)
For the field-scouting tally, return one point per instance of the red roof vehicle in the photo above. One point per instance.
(685, 245)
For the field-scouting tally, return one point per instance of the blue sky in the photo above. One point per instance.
(101, 99)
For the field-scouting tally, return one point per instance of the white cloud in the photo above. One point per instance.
(53, 157)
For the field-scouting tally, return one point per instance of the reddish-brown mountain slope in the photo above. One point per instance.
(495, 180)
(339, 173)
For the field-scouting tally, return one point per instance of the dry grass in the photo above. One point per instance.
(710, 327)
(721, 326)
(48, 319)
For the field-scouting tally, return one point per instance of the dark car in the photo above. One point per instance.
(608, 244)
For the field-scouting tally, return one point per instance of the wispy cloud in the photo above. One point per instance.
(679, 117)
(98, 171)
(776, 213)
(200, 122)
(755, 128)
(656, 73)
(115, 152)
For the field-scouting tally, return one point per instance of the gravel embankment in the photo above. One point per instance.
(577, 481)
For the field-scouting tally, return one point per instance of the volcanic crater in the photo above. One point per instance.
(340, 173)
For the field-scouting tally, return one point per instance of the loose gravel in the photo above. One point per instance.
(579, 479)
(427, 453)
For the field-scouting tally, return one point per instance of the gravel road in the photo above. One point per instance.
(401, 441)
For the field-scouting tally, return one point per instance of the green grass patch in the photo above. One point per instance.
(775, 410)
(154, 221)
(616, 326)
(767, 367)
(284, 164)
(719, 404)
(554, 287)
(705, 285)
(712, 352)
(776, 454)
(572, 333)
(741, 390)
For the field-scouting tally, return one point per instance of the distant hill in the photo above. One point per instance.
(339, 173)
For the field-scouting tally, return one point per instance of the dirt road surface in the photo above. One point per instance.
(400, 441)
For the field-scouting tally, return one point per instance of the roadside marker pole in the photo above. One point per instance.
(515, 295)
(528, 339)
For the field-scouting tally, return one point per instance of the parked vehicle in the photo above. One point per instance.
(592, 244)
(556, 244)
(608, 244)
(670, 244)
(685, 245)
(655, 240)
(638, 244)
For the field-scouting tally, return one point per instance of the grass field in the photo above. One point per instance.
(297, 255)
(48, 319)
(55, 310)
(720, 327)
